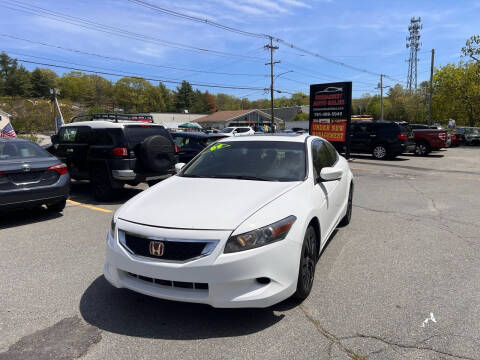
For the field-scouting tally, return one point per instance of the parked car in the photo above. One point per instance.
(191, 143)
(237, 131)
(472, 136)
(382, 139)
(111, 150)
(428, 140)
(277, 200)
(31, 177)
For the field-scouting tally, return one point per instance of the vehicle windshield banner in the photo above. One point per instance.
(330, 110)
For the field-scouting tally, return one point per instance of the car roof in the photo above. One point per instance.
(268, 137)
(102, 124)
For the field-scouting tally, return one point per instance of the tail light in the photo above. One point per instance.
(442, 136)
(61, 169)
(120, 151)
(177, 148)
(402, 136)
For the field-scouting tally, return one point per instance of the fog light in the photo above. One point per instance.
(263, 280)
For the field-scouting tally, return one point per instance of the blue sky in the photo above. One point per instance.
(366, 34)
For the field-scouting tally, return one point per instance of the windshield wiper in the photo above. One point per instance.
(241, 177)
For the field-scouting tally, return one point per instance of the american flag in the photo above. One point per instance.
(8, 131)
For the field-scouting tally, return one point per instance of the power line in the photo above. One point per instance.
(197, 19)
(77, 21)
(242, 32)
(141, 77)
(126, 60)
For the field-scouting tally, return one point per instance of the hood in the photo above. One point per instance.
(201, 203)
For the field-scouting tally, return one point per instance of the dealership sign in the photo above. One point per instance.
(330, 110)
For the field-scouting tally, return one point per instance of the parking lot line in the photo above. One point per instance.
(89, 206)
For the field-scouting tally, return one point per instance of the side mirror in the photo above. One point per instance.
(330, 174)
(54, 138)
(178, 167)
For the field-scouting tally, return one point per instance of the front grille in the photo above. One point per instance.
(178, 284)
(174, 250)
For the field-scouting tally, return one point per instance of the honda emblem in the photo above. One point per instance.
(26, 168)
(156, 248)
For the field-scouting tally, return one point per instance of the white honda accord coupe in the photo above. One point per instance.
(241, 225)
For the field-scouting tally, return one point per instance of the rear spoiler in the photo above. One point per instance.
(114, 117)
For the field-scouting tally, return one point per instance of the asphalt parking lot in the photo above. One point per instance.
(400, 282)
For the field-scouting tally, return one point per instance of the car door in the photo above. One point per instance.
(361, 137)
(325, 192)
(73, 144)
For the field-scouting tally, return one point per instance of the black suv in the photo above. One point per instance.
(382, 139)
(111, 150)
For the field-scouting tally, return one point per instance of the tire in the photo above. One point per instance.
(380, 152)
(102, 188)
(348, 216)
(57, 206)
(308, 262)
(156, 153)
(422, 149)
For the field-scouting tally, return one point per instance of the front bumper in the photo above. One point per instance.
(231, 278)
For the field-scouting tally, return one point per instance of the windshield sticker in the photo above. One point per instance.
(219, 146)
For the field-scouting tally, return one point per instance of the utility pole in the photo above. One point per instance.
(54, 92)
(431, 89)
(271, 63)
(381, 96)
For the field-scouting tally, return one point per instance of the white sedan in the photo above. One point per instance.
(237, 131)
(242, 225)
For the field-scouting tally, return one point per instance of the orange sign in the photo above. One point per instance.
(330, 132)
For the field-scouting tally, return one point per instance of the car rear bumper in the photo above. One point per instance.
(130, 175)
(220, 280)
(37, 195)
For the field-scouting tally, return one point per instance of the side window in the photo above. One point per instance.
(178, 140)
(186, 141)
(241, 130)
(321, 156)
(68, 134)
(333, 153)
(84, 135)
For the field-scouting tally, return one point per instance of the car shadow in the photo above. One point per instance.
(125, 312)
(369, 157)
(427, 156)
(19, 217)
(81, 191)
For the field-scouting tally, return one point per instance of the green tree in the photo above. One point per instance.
(472, 48)
(42, 81)
(184, 96)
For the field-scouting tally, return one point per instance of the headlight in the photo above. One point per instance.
(259, 237)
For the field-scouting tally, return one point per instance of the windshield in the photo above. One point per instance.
(227, 130)
(21, 150)
(250, 160)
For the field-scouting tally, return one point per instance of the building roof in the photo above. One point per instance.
(221, 116)
(230, 115)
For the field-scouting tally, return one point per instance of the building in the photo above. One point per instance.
(288, 113)
(223, 119)
(172, 120)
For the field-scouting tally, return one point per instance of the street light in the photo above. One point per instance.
(286, 72)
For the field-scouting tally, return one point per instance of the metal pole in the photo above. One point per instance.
(431, 89)
(271, 63)
(381, 96)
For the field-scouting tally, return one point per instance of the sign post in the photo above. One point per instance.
(331, 112)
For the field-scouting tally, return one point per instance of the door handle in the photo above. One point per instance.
(69, 150)
(373, 135)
